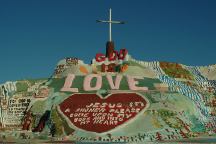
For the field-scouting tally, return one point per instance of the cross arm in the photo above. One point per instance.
(103, 21)
(118, 22)
(113, 22)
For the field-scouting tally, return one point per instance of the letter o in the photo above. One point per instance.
(87, 82)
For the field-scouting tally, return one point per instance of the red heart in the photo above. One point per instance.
(92, 113)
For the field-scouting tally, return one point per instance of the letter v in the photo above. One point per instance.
(117, 81)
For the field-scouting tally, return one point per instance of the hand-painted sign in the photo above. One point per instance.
(18, 106)
(92, 113)
(132, 83)
(120, 56)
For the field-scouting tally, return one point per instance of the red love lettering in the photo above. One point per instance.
(114, 56)
(122, 54)
(100, 57)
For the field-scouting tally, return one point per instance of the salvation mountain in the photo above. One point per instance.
(115, 99)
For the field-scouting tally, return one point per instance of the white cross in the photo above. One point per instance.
(110, 23)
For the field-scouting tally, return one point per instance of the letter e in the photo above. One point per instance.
(132, 83)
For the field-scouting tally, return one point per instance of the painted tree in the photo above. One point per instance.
(183, 134)
(158, 136)
(53, 130)
(45, 117)
(27, 120)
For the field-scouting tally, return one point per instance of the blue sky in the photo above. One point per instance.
(36, 34)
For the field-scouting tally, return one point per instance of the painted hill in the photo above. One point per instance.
(127, 101)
